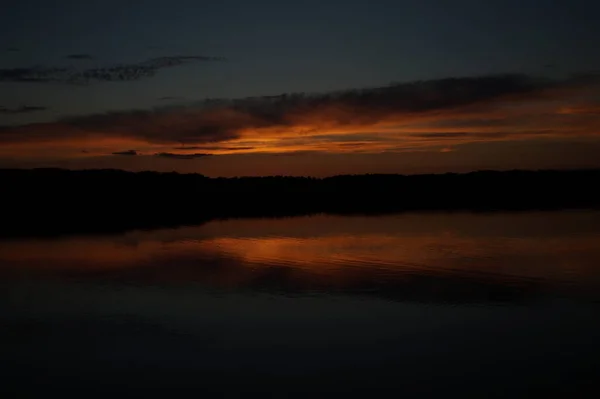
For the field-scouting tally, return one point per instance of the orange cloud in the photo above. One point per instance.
(412, 116)
(580, 110)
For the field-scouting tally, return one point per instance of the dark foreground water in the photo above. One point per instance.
(479, 305)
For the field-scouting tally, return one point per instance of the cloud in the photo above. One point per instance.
(118, 73)
(37, 74)
(12, 49)
(145, 69)
(438, 135)
(21, 110)
(127, 153)
(79, 57)
(591, 109)
(181, 156)
(114, 73)
(397, 117)
(221, 120)
(214, 148)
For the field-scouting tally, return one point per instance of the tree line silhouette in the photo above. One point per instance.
(58, 201)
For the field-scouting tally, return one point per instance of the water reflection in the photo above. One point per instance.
(420, 305)
(425, 257)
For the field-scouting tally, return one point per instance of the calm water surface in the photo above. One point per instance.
(483, 305)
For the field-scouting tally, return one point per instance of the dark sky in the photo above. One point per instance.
(135, 73)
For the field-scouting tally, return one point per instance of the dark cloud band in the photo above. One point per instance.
(21, 110)
(114, 73)
(206, 125)
(126, 153)
(181, 156)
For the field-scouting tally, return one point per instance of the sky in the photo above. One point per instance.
(317, 88)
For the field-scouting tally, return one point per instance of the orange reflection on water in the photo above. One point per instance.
(559, 247)
(547, 259)
(77, 253)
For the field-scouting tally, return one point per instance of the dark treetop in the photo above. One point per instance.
(56, 201)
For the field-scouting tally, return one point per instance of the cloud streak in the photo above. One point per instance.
(181, 156)
(25, 109)
(36, 74)
(113, 73)
(433, 114)
(213, 148)
(126, 153)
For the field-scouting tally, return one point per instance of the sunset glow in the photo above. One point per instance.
(413, 117)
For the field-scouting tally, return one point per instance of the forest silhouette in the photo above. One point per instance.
(49, 202)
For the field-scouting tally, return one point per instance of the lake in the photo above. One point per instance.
(415, 304)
